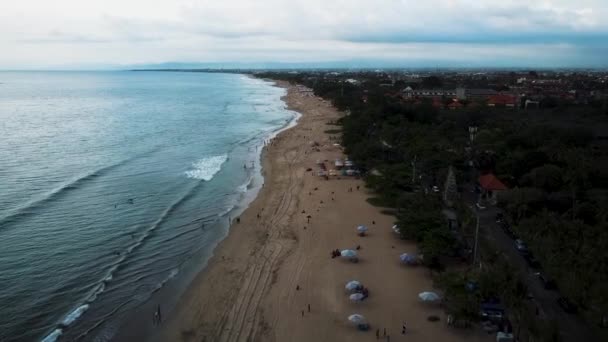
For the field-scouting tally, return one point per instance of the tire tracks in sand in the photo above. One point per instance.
(241, 322)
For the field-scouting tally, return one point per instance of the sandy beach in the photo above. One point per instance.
(275, 265)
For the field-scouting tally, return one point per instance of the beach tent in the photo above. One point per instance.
(362, 230)
(356, 297)
(356, 319)
(409, 259)
(428, 296)
(348, 253)
(353, 285)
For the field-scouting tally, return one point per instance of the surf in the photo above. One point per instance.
(206, 168)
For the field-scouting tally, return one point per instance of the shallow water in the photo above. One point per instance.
(110, 182)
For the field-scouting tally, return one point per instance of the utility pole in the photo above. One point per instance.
(476, 238)
(414, 170)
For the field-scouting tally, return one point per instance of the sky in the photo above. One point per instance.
(41, 34)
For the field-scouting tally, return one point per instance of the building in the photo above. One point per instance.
(473, 94)
(490, 188)
(503, 100)
(455, 104)
(409, 92)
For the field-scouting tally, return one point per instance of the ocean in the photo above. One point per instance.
(115, 184)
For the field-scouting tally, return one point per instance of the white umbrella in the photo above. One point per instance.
(409, 259)
(396, 229)
(362, 229)
(348, 253)
(356, 319)
(357, 297)
(352, 285)
(428, 296)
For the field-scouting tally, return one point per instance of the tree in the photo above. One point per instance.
(547, 177)
(432, 82)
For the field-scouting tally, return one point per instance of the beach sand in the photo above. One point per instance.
(266, 273)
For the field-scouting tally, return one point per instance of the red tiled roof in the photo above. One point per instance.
(437, 103)
(455, 104)
(502, 99)
(490, 182)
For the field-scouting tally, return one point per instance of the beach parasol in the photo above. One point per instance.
(362, 229)
(356, 297)
(409, 259)
(428, 296)
(352, 285)
(356, 319)
(396, 229)
(348, 253)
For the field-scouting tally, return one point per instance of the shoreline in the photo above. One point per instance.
(272, 278)
(140, 328)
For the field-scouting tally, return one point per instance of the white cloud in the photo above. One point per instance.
(42, 33)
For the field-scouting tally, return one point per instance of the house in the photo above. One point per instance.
(455, 104)
(437, 103)
(465, 93)
(502, 100)
(409, 92)
(491, 187)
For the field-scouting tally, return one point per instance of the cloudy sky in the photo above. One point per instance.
(101, 33)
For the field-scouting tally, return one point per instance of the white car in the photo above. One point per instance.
(521, 246)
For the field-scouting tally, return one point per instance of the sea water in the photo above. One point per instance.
(111, 181)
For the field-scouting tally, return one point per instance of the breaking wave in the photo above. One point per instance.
(206, 168)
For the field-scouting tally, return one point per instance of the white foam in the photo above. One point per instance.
(206, 168)
(52, 337)
(72, 316)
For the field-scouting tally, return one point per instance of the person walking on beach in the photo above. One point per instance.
(403, 329)
(377, 334)
(160, 319)
(308, 307)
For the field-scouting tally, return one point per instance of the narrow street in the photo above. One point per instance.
(572, 328)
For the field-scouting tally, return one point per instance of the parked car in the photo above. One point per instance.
(532, 261)
(492, 311)
(507, 229)
(521, 246)
(567, 305)
(548, 283)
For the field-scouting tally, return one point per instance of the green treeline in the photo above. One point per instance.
(553, 160)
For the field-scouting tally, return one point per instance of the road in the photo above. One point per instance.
(571, 327)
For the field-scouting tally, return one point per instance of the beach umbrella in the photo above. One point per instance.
(396, 229)
(352, 285)
(409, 259)
(428, 296)
(356, 297)
(356, 319)
(348, 253)
(362, 229)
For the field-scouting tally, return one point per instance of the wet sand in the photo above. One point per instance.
(266, 273)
